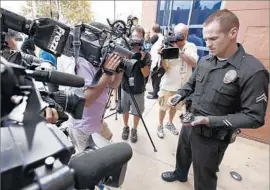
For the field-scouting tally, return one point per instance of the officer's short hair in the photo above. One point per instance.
(227, 20)
(156, 28)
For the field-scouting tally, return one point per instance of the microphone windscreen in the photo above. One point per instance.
(92, 166)
(65, 79)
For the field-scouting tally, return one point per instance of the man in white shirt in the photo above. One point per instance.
(156, 73)
(177, 74)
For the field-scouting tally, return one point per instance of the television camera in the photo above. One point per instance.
(81, 41)
(37, 155)
(170, 51)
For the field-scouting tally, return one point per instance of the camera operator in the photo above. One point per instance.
(48, 57)
(28, 46)
(135, 83)
(177, 72)
(96, 98)
(156, 70)
(51, 114)
(10, 39)
(147, 43)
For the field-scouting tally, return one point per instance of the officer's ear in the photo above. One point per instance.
(233, 33)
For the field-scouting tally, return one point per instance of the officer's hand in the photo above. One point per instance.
(174, 100)
(112, 62)
(198, 120)
(51, 115)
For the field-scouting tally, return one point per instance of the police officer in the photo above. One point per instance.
(229, 91)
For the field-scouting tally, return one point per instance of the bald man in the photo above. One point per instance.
(177, 74)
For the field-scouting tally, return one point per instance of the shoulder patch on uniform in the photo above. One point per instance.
(261, 98)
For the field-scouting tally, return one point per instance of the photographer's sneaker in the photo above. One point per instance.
(160, 132)
(133, 137)
(172, 128)
(125, 133)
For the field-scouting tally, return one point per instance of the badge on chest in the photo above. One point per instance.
(230, 76)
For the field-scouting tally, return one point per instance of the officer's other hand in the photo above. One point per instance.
(51, 115)
(112, 62)
(198, 120)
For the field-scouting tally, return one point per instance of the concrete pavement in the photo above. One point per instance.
(249, 158)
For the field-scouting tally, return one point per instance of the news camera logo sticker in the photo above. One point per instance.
(230, 76)
(55, 38)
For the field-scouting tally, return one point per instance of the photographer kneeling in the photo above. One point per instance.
(96, 98)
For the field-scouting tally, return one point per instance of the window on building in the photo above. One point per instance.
(195, 36)
(193, 13)
(163, 13)
(202, 9)
(180, 12)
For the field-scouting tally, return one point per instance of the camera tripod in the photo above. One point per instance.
(118, 109)
(117, 102)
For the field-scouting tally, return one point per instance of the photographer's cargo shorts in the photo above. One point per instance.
(127, 102)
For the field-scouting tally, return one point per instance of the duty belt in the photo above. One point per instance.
(208, 132)
(219, 134)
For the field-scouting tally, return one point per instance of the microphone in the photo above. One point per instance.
(92, 166)
(56, 77)
(30, 58)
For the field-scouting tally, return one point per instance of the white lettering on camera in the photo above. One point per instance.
(56, 36)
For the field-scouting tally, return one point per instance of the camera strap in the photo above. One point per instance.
(77, 43)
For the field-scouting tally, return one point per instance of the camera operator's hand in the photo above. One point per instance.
(161, 49)
(51, 115)
(142, 55)
(111, 64)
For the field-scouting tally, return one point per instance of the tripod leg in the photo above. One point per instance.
(116, 115)
(140, 115)
(108, 101)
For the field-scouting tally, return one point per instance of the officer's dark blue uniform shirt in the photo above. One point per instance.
(232, 93)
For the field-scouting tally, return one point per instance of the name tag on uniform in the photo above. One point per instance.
(230, 76)
(131, 81)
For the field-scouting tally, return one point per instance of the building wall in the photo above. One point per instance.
(149, 10)
(253, 34)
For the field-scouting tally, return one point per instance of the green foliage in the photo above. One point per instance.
(71, 11)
